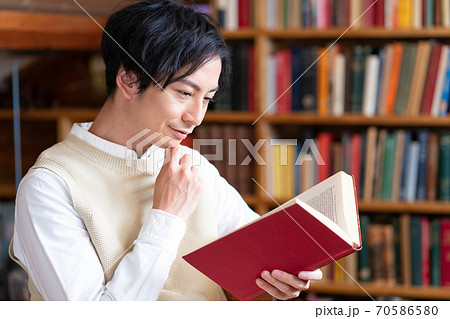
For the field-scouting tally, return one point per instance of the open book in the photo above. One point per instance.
(309, 231)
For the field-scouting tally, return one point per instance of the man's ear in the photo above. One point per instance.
(127, 83)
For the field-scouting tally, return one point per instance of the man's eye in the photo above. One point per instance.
(184, 93)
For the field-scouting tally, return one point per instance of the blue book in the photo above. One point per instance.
(412, 171)
(423, 138)
(429, 13)
(306, 14)
(443, 109)
(406, 150)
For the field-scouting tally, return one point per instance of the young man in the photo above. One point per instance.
(93, 223)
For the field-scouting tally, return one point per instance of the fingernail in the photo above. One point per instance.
(265, 274)
(303, 275)
(276, 273)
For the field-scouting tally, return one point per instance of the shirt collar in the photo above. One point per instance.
(81, 130)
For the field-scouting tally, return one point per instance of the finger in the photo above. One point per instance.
(186, 160)
(285, 288)
(291, 280)
(175, 155)
(310, 275)
(271, 290)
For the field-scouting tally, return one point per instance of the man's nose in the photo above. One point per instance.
(194, 113)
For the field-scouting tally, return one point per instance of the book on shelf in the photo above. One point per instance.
(399, 78)
(389, 14)
(309, 231)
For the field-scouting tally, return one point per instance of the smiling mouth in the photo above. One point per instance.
(180, 134)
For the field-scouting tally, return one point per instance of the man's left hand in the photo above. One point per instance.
(283, 285)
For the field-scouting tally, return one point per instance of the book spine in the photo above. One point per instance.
(425, 254)
(444, 167)
(363, 255)
(435, 254)
(423, 137)
(445, 252)
(416, 250)
(371, 85)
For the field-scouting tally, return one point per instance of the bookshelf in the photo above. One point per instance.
(49, 31)
(267, 40)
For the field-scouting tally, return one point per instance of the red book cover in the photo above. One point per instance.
(292, 239)
(369, 17)
(251, 79)
(437, 13)
(445, 252)
(346, 13)
(431, 78)
(244, 16)
(425, 246)
(355, 163)
(379, 13)
(424, 12)
(284, 77)
(324, 140)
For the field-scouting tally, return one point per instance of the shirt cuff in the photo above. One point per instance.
(163, 230)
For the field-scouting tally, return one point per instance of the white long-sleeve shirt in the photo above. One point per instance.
(51, 239)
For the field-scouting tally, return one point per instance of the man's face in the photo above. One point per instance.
(177, 110)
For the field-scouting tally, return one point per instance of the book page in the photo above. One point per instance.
(333, 198)
(325, 203)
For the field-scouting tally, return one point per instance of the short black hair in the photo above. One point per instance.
(162, 36)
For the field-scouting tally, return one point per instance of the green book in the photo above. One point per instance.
(360, 54)
(388, 166)
(405, 80)
(435, 254)
(416, 250)
(444, 167)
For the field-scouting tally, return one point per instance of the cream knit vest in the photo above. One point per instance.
(113, 196)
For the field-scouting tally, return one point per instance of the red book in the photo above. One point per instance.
(425, 230)
(244, 15)
(379, 13)
(291, 238)
(430, 83)
(445, 252)
(369, 17)
(324, 140)
(355, 163)
(437, 13)
(284, 80)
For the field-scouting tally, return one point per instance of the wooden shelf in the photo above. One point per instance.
(230, 117)
(82, 114)
(36, 31)
(357, 120)
(375, 290)
(390, 207)
(401, 207)
(7, 191)
(76, 114)
(363, 33)
(241, 34)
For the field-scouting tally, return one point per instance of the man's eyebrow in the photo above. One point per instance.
(195, 86)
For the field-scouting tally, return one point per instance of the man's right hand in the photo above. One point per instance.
(178, 187)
